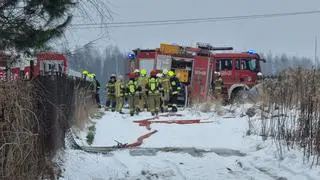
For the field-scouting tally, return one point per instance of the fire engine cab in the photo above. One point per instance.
(197, 67)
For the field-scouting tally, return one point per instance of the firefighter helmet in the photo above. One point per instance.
(90, 75)
(143, 72)
(113, 76)
(120, 77)
(153, 73)
(132, 76)
(136, 71)
(171, 73)
(159, 75)
(85, 72)
(165, 71)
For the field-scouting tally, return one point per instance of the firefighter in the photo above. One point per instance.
(119, 92)
(110, 93)
(175, 88)
(218, 85)
(133, 95)
(96, 88)
(142, 82)
(136, 72)
(165, 90)
(84, 74)
(160, 81)
(153, 87)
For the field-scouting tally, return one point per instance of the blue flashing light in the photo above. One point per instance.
(131, 56)
(252, 51)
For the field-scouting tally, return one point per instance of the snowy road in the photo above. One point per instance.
(217, 150)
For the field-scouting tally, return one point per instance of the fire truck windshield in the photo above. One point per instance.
(247, 64)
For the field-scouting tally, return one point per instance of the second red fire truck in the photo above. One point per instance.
(197, 67)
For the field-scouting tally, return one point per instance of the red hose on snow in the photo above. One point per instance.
(140, 139)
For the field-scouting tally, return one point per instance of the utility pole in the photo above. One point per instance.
(117, 66)
(315, 53)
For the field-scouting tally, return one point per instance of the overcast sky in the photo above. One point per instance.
(294, 35)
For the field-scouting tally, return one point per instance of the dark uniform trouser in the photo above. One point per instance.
(154, 102)
(97, 98)
(174, 100)
(165, 97)
(111, 101)
(119, 103)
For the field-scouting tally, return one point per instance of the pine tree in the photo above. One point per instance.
(28, 24)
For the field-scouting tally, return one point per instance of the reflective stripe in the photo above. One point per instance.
(131, 88)
(152, 84)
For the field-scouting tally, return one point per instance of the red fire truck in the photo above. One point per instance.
(44, 63)
(196, 67)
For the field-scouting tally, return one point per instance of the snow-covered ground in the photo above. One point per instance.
(233, 154)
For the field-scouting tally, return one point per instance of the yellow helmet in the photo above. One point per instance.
(85, 72)
(171, 73)
(143, 72)
(90, 75)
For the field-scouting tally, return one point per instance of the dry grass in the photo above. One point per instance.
(291, 104)
(85, 104)
(34, 116)
(20, 151)
(209, 105)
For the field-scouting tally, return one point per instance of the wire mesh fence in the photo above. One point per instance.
(34, 117)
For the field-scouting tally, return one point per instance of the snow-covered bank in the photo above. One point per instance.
(258, 164)
(114, 126)
(228, 132)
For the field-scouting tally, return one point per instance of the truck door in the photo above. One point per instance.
(245, 70)
(225, 66)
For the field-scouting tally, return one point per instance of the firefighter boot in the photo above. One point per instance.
(113, 105)
(174, 108)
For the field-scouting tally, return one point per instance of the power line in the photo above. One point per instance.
(186, 21)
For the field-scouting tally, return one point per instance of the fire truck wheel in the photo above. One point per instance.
(238, 95)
